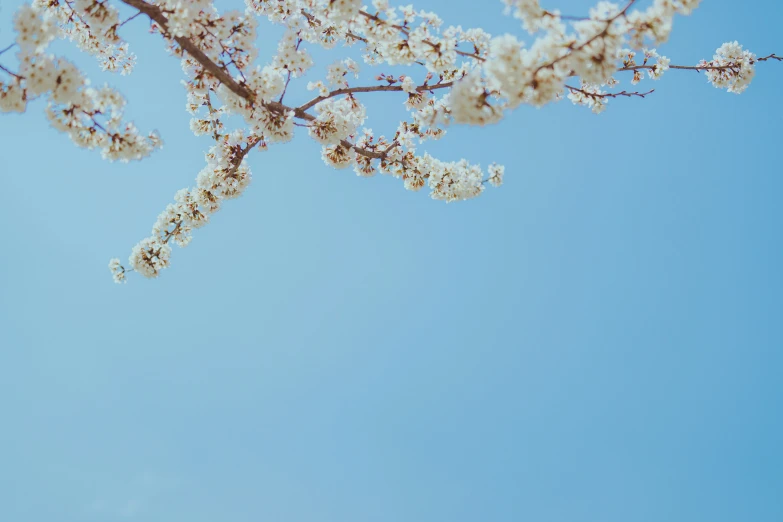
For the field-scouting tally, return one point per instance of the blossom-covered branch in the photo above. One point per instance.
(456, 76)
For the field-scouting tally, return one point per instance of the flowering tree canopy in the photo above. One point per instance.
(456, 76)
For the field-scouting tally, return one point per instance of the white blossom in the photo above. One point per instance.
(117, 271)
(732, 68)
(496, 173)
(240, 100)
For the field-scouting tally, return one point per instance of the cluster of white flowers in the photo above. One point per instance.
(590, 96)
(225, 176)
(466, 76)
(148, 258)
(654, 69)
(731, 68)
(34, 31)
(450, 181)
(336, 77)
(655, 23)
(338, 71)
(92, 25)
(290, 57)
(530, 13)
(342, 10)
(337, 119)
(91, 117)
(660, 66)
(117, 271)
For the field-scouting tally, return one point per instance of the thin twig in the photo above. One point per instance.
(610, 94)
(129, 19)
(8, 48)
(372, 88)
(2, 68)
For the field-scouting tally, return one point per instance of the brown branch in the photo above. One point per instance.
(610, 94)
(680, 67)
(156, 14)
(2, 68)
(372, 88)
(772, 56)
(225, 51)
(704, 67)
(129, 19)
(237, 162)
(285, 87)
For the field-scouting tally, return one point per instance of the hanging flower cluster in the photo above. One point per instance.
(456, 76)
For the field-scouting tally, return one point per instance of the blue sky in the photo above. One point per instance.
(598, 340)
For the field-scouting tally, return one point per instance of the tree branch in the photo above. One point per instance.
(610, 94)
(157, 15)
(704, 67)
(2, 68)
(372, 88)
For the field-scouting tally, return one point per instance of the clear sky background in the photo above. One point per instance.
(599, 340)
